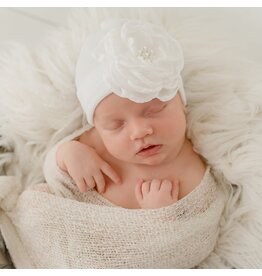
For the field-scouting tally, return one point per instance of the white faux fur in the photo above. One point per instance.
(39, 107)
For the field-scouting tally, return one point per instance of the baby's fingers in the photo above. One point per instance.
(175, 189)
(100, 182)
(138, 191)
(166, 186)
(90, 182)
(82, 185)
(109, 171)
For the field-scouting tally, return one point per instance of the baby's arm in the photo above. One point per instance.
(156, 193)
(84, 165)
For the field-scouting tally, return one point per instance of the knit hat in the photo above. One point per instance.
(133, 59)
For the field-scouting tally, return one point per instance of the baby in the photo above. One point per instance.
(130, 191)
(137, 154)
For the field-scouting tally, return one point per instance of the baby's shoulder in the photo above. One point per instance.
(194, 173)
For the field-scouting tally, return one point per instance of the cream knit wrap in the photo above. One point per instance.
(68, 229)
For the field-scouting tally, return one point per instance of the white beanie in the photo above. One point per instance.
(131, 58)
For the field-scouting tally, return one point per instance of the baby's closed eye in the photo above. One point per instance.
(155, 109)
(115, 124)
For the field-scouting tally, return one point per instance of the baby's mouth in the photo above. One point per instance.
(149, 150)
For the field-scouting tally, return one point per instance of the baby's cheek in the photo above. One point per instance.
(119, 149)
(176, 131)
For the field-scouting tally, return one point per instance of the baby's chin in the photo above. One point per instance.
(155, 160)
(151, 161)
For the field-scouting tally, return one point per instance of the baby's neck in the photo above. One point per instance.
(186, 167)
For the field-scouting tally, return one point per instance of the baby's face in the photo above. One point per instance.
(126, 126)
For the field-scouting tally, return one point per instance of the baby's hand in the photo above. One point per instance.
(85, 166)
(156, 193)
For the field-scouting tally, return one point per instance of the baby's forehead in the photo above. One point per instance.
(113, 104)
(115, 99)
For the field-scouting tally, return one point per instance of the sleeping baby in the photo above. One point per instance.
(134, 97)
(130, 191)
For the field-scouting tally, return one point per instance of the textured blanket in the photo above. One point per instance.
(95, 234)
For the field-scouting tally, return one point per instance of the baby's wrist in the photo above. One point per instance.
(61, 153)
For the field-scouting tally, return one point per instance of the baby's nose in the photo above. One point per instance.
(140, 130)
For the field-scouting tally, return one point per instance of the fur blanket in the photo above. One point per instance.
(39, 107)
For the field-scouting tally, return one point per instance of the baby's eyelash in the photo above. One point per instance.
(116, 125)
